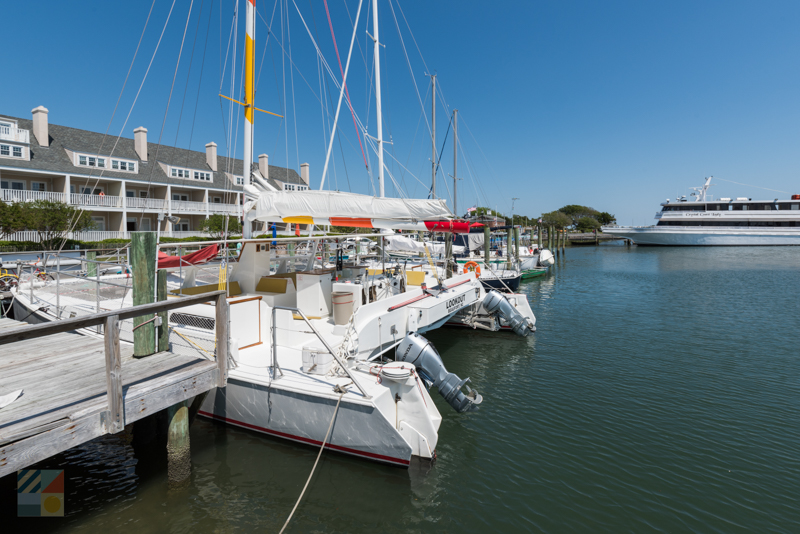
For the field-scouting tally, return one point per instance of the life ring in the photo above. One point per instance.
(477, 268)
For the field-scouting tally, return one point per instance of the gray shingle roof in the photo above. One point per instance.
(62, 138)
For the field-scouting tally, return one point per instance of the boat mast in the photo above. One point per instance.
(455, 162)
(378, 92)
(433, 138)
(249, 67)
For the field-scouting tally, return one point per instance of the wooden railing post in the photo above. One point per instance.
(222, 338)
(116, 406)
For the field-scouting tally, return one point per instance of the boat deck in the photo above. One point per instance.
(65, 400)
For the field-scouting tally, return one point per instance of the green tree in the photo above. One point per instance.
(605, 218)
(11, 219)
(54, 220)
(587, 224)
(576, 212)
(215, 226)
(556, 218)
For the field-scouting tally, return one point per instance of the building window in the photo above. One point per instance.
(99, 223)
(121, 165)
(11, 151)
(142, 194)
(217, 200)
(179, 173)
(239, 180)
(288, 187)
(19, 186)
(200, 175)
(38, 186)
(91, 161)
(294, 187)
(130, 194)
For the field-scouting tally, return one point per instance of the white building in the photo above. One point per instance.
(129, 188)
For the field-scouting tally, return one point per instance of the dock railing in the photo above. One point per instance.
(115, 418)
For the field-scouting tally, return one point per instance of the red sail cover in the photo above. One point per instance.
(201, 256)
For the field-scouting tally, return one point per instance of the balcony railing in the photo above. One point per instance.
(188, 205)
(100, 235)
(12, 133)
(96, 201)
(110, 201)
(19, 195)
(232, 209)
(145, 203)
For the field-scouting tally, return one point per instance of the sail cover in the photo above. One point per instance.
(351, 209)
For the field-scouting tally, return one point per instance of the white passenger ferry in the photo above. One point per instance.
(724, 221)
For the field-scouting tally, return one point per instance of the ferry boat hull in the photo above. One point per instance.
(703, 236)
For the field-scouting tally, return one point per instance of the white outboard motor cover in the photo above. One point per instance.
(546, 258)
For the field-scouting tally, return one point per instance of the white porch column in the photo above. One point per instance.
(123, 195)
(169, 209)
(67, 198)
(205, 200)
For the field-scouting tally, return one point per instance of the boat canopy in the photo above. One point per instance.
(351, 209)
(400, 243)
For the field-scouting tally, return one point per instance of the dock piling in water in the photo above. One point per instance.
(143, 260)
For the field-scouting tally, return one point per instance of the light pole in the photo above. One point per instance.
(512, 209)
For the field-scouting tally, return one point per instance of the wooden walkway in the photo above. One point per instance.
(68, 387)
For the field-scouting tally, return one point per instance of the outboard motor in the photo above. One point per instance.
(419, 352)
(494, 302)
(546, 258)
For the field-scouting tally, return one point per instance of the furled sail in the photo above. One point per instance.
(351, 209)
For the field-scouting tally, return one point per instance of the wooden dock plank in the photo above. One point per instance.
(65, 391)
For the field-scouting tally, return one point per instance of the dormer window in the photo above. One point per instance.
(10, 151)
(176, 172)
(201, 175)
(239, 180)
(85, 160)
(123, 165)
(294, 187)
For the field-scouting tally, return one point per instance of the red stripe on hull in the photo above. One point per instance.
(308, 441)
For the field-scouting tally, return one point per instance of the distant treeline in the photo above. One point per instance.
(581, 218)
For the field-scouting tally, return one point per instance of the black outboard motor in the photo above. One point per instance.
(418, 351)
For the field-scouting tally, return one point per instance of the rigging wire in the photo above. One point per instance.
(756, 186)
(81, 210)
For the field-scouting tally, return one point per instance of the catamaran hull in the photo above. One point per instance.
(700, 236)
(359, 429)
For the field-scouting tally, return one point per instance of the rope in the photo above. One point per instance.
(315, 464)
(756, 186)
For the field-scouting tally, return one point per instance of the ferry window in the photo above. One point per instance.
(795, 206)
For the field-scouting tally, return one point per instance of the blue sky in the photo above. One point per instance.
(616, 105)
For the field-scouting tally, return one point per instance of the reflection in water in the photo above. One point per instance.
(659, 393)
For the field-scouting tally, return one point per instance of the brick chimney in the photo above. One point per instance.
(304, 172)
(211, 155)
(263, 166)
(40, 129)
(140, 142)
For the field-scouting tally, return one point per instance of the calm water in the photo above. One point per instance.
(661, 393)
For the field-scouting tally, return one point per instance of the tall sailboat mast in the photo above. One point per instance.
(249, 97)
(433, 137)
(378, 92)
(455, 162)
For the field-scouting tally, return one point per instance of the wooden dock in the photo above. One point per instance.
(77, 387)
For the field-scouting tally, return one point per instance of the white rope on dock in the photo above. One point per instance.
(327, 434)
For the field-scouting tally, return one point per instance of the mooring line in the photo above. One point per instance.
(327, 434)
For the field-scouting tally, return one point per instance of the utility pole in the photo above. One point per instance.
(455, 162)
(433, 136)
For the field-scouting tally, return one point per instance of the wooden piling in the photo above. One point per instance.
(487, 239)
(163, 330)
(91, 267)
(539, 228)
(143, 263)
(516, 242)
(179, 464)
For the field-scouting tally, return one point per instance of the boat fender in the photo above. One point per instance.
(419, 352)
(494, 302)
